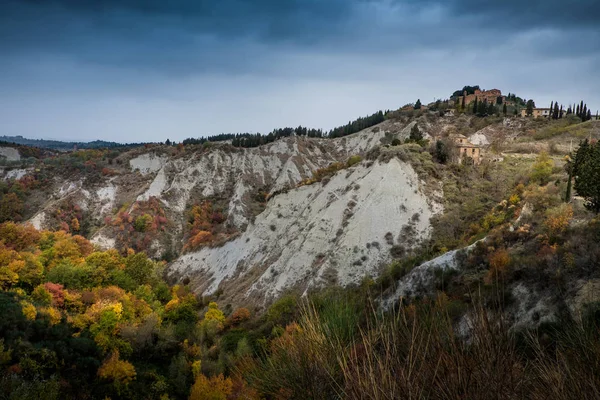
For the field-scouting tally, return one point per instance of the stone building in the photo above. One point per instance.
(537, 112)
(465, 150)
(490, 95)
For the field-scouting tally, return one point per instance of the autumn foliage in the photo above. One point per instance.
(139, 226)
(205, 225)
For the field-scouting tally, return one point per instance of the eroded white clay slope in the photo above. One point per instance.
(318, 233)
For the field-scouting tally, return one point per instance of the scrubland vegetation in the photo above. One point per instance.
(79, 323)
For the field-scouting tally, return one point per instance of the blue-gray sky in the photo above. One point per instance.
(147, 70)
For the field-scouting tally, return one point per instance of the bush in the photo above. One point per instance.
(542, 169)
(353, 160)
(142, 223)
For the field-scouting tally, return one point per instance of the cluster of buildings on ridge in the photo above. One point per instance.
(469, 152)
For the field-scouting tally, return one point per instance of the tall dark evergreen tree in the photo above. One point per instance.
(491, 109)
(587, 174)
(415, 134)
(555, 111)
(463, 103)
(504, 109)
(475, 106)
(418, 104)
(569, 112)
(560, 113)
(569, 168)
(578, 112)
(589, 115)
(551, 107)
(530, 107)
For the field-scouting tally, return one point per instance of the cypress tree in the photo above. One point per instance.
(560, 114)
(555, 115)
(569, 168)
(504, 110)
(589, 115)
(569, 110)
(475, 106)
(530, 106)
(578, 113)
(584, 113)
(463, 103)
(551, 107)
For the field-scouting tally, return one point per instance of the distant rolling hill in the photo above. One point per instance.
(60, 145)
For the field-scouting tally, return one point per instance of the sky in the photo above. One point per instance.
(148, 70)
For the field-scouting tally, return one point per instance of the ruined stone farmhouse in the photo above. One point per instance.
(490, 95)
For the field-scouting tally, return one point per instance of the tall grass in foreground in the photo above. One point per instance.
(421, 352)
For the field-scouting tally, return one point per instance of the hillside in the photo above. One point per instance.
(61, 145)
(219, 212)
(275, 270)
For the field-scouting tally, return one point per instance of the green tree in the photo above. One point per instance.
(569, 169)
(542, 169)
(587, 175)
(441, 152)
(418, 104)
(139, 268)
(415, 134)
(475, 106)
(530, 107)
(504, 109)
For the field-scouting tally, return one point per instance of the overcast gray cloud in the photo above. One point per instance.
(146, 70)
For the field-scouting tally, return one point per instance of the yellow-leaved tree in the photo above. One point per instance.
(120, 372)
(214, 388)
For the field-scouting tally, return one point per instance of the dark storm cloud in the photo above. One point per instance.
(267, 20)
(187, 36)
(523, 15)
(125, 68)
